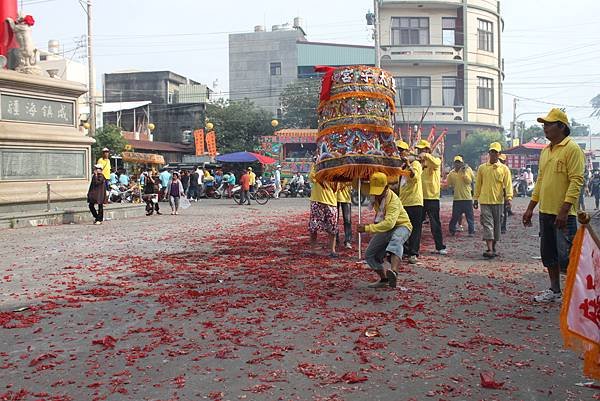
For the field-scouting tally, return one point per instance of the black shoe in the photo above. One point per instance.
(158, 213)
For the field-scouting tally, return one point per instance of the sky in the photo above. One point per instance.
(551, 48)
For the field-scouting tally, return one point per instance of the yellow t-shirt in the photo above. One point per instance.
(560, 177)
(252, 178)
(461, 182)
(105, 163)
(344, 193)
(395, 215)
(493, 185)
(321, 193)
(431, 176)
(411, 188)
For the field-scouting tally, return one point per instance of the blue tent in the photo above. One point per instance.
(245, 157)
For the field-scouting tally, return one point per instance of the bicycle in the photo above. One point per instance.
(260, 196)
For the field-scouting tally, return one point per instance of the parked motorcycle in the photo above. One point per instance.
(522, 188)
(293, 191)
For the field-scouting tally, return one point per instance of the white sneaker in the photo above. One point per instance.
(442, 251)
(548, 296)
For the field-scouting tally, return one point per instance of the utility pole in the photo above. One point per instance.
(513, 130)
(91, 77)
(376, 34)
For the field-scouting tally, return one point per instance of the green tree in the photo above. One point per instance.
(299, 102)
(238, 125)
(578, 129)
(110, 137)
(477, 144)
(533, 131)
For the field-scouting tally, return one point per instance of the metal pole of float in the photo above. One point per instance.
(359, 219)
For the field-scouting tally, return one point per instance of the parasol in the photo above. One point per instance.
(245, 157)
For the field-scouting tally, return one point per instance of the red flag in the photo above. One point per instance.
(580, 313)
(199, 141)
(211, 143)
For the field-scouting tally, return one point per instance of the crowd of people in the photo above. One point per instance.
(401, 206)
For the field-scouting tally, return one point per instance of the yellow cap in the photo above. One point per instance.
(377, 183)
(402, 145)
(502, 157)
(553, 116)
(496, 146)
(458, 159)
(422, 144)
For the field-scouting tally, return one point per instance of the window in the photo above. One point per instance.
(485, 34)
(275, 68)
(410, 31)
(448, 31)
(485, 93)
(414, 91)
(449, 95)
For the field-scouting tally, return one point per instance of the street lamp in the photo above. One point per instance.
(274, 123)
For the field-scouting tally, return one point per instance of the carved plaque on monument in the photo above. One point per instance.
(42, 164)
(36, 110)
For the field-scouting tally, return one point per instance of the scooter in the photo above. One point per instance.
(522, 188)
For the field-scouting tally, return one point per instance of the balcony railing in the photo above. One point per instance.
(413, 114)
(408, 53)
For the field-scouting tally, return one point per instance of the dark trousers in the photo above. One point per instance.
(347, 216)
(415, 214)
(597, 198)
(193, 192)
(151, 206)
(244, 197)
(460, 207)
(99, 215)
(431, 208)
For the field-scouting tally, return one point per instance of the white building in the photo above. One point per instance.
(445, 54)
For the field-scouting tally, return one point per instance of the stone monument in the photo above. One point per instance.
(40, 142)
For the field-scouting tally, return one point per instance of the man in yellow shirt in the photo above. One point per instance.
(411, 195)
(104, 161)
(391, 230)
(323, 204)
(560, 178)
(252, 178)
(493, 189)
(431, 180)
(461, 179)
(344, 202)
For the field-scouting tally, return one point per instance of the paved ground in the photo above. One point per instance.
(225, 303)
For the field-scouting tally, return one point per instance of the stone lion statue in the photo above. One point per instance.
(27, 52)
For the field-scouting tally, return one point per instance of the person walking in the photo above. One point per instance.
(97, 194)
(461, 179)
(391, 230)
(277, 178)
(164, 178)
(560, 178)
(194, 189)
(323, 203)
(245, 187)
(431, 180)
(175, 192)
(344, 202)
(411, 196)
(151, 189)
(493, 190)
(185, 181)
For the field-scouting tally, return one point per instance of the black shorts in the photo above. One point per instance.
(555, 245)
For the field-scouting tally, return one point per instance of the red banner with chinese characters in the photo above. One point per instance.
(211, 143)
(580, 313)
(199, 141)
